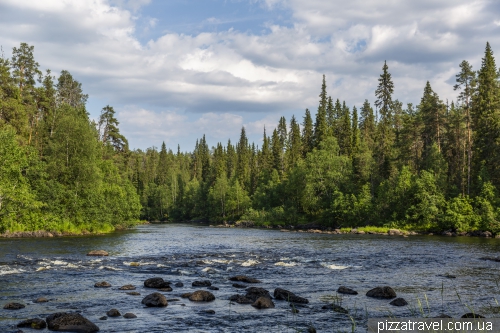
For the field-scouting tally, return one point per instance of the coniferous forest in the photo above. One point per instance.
(433, 165)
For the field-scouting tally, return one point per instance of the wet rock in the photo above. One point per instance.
(382, 292)
(263, 303)
(104, 318)
(335, 308)
(285, 295)
(35, 323)
(204, 283)
(179, 284)
(209, 311)
(399, 302)
(448, 276)
(41, 300)
(113, 313)
(70, 322)
(394, 232)
(167, 289)
(127, 287)
(98, 253)
(155, 300)
(244, 278)
(14, 306)
(240, 299)
(156, 282)
(134, 293)
(213, 288)
(102, 284)
(311, 329)
(129, 315)
(490, 259)
(202, 296)
(186, 295)
(173, 300)
(472, 315)
(345, 290)
(239, 285)
(254, 292)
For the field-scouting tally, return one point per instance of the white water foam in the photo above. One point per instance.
(109, 268)
(285, 264)
(209, 270)
(5, 270)
(333, 266)
(43, 268)
(250, 262)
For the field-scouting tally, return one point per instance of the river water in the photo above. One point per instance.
(310, 265)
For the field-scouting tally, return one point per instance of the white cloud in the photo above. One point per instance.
(220, 74)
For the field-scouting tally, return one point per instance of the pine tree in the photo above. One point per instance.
(243, 160)
(307, 134)
(466, 81)
(294, 144)
(321, 127)
(486, 118)
(355, 131)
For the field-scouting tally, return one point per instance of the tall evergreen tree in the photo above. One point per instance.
(321, 126)
(307, 134)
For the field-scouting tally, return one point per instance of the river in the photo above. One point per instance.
(310, 265)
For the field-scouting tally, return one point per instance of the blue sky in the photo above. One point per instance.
(175, 70)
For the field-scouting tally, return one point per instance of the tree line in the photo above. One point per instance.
(426, 166)
(59, 170)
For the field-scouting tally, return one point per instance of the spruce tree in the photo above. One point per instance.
(307, 134)
(321, 127)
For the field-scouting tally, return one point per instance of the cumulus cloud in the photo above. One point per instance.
(217, 81)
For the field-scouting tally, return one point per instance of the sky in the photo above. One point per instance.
(174, 70)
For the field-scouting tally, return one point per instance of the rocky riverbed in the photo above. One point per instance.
(199, 279)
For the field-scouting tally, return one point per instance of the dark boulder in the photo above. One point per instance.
(156, 282)
(213, 288)
(263, 303)
(166, 289)
(129, 315)
(255, 292)
(209, 311)
(134, 293)
(14, 306)
(186, 295)
(98, 253)
(155, 300)
(70, 322)
(345, 290)
(102, 284)
(382, 292)
(35, 323)
(240, 299)
(243, 278)
(113, 313)
(202, 296)
(204, 283)
(399, 302)
(288, 296)
(179, 284)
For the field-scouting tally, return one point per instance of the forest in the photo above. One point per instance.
(430, 166)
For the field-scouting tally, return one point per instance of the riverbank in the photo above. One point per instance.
(368, 230)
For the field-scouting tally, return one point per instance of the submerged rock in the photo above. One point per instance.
(155, 300)
(399, 302)
(102, 284)
(263, 303)
(156, 282)
(134, 293)
(472, 315)
(204, 283)
(14, 306)
(127, 287)
(335, 308)
(41, 300)
(179, 284)
(98, 253)
(244, 278)
(382, 292)
(70, 322)
(239, 285)
(113, 313)
(285, 295)
(213, 288)
(202, 296)
(166, 289)
(35, 323)
(345, 290)
(240, 299)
